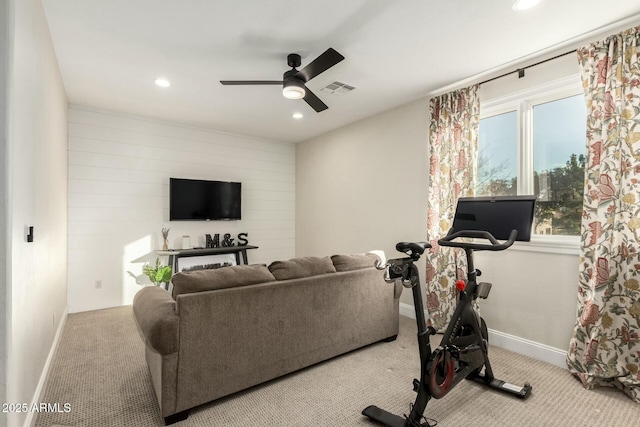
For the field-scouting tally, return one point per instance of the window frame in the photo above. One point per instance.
(523, 102)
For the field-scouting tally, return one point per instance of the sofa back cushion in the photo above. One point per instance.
(352, 262)
(297, 268)
(220, 278)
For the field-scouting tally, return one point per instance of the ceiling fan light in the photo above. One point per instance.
(293, 92)
(292, 87)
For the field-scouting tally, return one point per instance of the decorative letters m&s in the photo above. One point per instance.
(227, 240)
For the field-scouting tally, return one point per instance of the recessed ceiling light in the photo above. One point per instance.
(524, 4)
(162, 82)
(297, 115)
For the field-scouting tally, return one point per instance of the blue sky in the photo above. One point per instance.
(558, 130)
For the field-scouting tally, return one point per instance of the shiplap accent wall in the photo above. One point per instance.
(119, 170)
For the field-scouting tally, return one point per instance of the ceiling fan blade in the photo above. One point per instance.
(321, 64)
(251, 82)
(313, 101)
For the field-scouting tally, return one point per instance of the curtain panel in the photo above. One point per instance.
(605, 346)
(453, 148)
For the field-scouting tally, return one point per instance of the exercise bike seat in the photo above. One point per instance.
(413, 249)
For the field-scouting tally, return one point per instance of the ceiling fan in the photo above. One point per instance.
(293, 81)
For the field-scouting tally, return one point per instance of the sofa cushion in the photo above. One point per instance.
(297, 268)
(352, 262)
(220, 278)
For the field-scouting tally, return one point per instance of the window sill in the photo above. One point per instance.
(567, 245)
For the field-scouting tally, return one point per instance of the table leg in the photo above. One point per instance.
(173, 262)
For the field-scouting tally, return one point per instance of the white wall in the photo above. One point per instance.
(36, 196)
(4, 51)
(364, 186)
(119, 170)
(534, 296)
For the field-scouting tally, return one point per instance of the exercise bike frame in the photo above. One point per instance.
(463, 350)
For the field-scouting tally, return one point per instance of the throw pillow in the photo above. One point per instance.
(352, 262)
(220, 278)
(297, 268)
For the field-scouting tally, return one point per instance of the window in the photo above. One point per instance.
(498, 155)
(534, 143)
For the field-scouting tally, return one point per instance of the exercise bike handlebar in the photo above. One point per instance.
(494, 245)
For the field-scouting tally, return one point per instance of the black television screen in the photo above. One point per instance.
(195, 199)
(498, 215)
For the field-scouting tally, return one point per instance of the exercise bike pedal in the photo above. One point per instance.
(416, 385)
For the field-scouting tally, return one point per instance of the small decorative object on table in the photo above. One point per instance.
(158, 274)
(165, 236)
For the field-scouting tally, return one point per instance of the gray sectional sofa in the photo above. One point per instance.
(225, 330)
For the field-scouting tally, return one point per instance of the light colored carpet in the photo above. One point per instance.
(101, 372)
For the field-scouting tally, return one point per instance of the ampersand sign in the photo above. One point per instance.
(227, 241)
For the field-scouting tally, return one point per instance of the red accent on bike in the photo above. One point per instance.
(442, 366)
(461, 285)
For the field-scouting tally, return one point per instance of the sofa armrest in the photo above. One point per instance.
(155, 314)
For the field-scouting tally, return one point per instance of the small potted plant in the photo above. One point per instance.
(158, 274)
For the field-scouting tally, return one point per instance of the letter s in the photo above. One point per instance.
(242, 239)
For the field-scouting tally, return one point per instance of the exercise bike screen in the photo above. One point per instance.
(498, 215)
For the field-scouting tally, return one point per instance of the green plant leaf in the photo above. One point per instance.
(158, 274)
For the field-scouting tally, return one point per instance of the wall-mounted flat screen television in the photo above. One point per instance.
(200, 200)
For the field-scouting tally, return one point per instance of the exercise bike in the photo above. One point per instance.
(463, 350)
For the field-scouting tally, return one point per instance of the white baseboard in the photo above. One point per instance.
(529, 348)
(39, 393)
(407, 310)
(518, 345)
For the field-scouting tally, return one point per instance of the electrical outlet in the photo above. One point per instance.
(98, 284)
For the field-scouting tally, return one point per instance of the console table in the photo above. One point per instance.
(181, 253)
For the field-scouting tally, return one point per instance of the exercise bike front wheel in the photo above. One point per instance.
(485, 336)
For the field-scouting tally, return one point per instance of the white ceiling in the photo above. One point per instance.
(110, 52)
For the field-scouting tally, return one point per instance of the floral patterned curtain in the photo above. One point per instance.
(605, 347)
(453, 145)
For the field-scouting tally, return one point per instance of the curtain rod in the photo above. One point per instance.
(520, 71)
